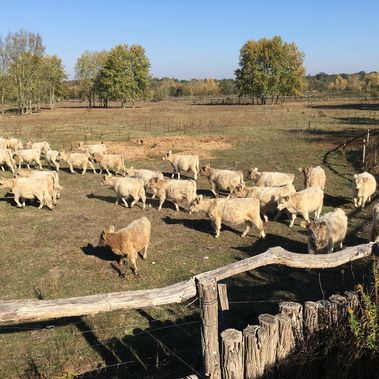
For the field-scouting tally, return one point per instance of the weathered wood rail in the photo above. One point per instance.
(41, 310)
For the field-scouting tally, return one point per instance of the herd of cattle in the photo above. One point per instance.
(272, 192)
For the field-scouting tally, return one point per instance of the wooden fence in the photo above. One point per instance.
(253, 352)
(204, 285)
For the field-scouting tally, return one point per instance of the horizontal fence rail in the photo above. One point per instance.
(41, 310)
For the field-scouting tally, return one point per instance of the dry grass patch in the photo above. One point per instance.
(155, 147)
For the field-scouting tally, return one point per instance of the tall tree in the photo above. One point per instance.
(270, 67)
(4, 68)
(87, 68)
(54, 76)
(125, 75)
(24, 51)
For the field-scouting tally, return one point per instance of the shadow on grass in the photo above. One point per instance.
(112, 200)
(108, 199)
(200, 225)
(103, 253)
(335, 201)
(273, 240)
(357, 106)
(164, 349)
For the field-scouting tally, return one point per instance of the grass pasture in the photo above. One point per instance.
(52, 254)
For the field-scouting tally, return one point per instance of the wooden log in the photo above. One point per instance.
(286, 341)
(278, 255)
(270, 324)
(295, 312)
(310, 318)
(232, 366)
(338, 309)
(207, 289)
(255, 339)
(324, 314)
(39, 310)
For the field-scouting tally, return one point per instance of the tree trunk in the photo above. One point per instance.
(2, 102)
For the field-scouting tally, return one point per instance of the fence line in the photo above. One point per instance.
(39, 310)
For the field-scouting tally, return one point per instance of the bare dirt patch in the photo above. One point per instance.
(154, 147)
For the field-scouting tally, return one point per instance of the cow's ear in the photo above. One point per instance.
(301, 169)
(255, 169)
(355, 176)
(322, 224)
(207, 165)
(286, 198)
(111, 229)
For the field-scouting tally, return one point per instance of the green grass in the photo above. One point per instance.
(48, 254)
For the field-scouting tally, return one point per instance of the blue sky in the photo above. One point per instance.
(198, 39)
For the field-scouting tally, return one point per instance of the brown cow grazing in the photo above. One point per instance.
(129, 241)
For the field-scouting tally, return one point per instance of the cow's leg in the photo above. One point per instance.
(217, 227)
(292, 219)
(125, 202)
(28, 167)
(41, 202)
(16, 199)
(213, 189)
(84, 169)
(154, 193)
(161, 201)
(71, 168)
(176, 205)
(248, 226)
(133, 264)
(306, 217)
(144, 256)
(135, 199)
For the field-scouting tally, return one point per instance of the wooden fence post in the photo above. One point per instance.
(286, 341)
(232, 354)
(295, 312)
(270, 324)
(324, 314)
(338, 309)
(255, 338)
(310, 317)
(207, 290)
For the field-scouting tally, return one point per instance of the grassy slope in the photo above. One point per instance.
(49, 254)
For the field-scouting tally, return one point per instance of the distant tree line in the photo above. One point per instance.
(28, 76)
(345, 83)
(268, 69)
